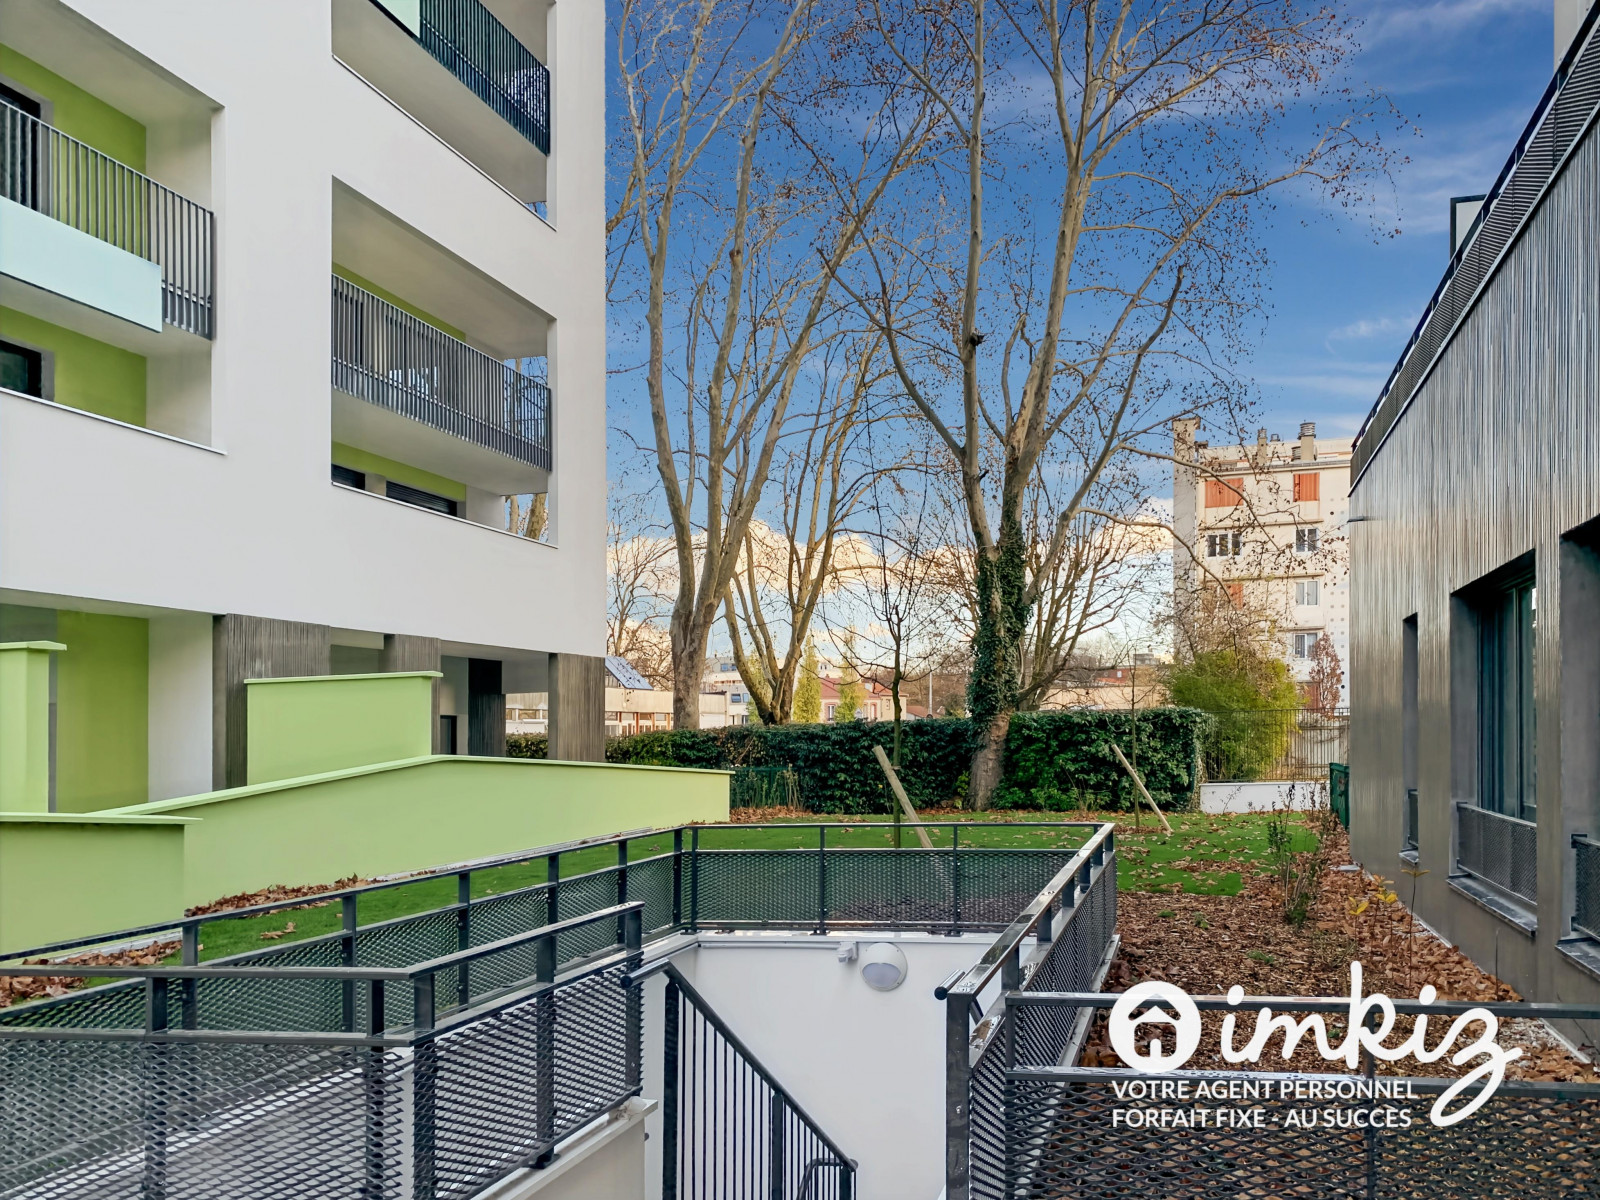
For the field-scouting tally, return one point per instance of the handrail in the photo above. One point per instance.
(1317, 1004)
(733, 1039)
(1541, 112)
(473, 45)
(55, 174)
(977, 977)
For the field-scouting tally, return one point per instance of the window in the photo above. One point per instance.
(420, 498)
(1308, 591)
(1224, 493)
(1305, 645)
(1507, 623)
(21, 369)
(350, 478)
(1223, 545)
(1305, 540)
(1307, 486)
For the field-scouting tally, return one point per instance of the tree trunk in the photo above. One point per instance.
(688, 668)
(1002, 622)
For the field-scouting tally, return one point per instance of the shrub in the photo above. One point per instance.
(527, 745)
(1058, 761)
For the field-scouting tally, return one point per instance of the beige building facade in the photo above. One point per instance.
(1264, 524)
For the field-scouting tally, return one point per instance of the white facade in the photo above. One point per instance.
(1266, 523)
(322, 135)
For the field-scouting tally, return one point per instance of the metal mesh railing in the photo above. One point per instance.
(481, 52)
(1073, 920)
(1408, 828)
(43, 169)
(729, 1129)
(1068, 1135)
(390, 358)
(1498, 849)
(1566, 109)
(1586, 908)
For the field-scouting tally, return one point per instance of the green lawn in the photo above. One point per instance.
(1203, 856)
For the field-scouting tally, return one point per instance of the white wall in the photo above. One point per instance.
(867, 1065)
(180, 705)
(253, 525)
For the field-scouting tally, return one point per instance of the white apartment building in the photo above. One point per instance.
(1266, 524)
(301, 309)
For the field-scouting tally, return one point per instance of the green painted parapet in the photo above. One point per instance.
(25, 725)
(65, 875)
(321, 723)
(409, 816)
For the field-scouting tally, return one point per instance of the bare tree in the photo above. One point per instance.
(902, 584)
(714, 94)
(786, 567)
(639, 583)
(1160, 132)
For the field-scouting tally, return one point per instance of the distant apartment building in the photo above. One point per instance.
(1475, 669)
(1263, 525)
(301, 317)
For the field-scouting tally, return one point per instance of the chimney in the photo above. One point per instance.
(1308, 441)
(1183, 443)
(1261, 437)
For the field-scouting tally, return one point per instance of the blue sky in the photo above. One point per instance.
(1467, 73)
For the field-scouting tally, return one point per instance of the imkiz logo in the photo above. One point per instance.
(1167, 1009)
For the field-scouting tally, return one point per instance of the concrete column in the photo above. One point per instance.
(244, 647)
(25, 725)
(577, 708)
(486, 708)
(403, 652)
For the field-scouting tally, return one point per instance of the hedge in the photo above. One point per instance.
(1054, 760)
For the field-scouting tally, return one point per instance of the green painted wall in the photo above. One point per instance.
(102, 712)
(363, 460)
(402, 305)
(424, 813)
(67, 876)
(324, 723)
(89, 375)
(25, 725)
(78, 114)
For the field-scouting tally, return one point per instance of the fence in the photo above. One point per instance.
(764, 787)
(1498, 849)
(728, 1127)
(43, 169)
(431, 1054)
(1068, 1132)
(388, 357)
(1245, 745)
(1565, 110)
(481, 52)
(1073, 920)
(1586, 912)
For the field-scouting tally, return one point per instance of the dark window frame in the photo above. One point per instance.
(35, 359)
(1506, 609)
(419, 498)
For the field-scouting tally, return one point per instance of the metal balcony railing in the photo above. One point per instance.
(388, 357)
(1586, 911)
(1408, 834)
(481, 52)
(1498, 849)
(43, 169)
(1564, 112)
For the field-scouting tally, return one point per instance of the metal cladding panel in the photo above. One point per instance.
(1498, 456)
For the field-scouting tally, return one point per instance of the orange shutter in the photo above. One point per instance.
(1236, 594)
(1223, 493)
(1307, 486)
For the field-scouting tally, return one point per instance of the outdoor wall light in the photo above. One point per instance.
(883, 966)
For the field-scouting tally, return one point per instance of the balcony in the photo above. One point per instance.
(446, 61)
(495, 418)
(88, 228)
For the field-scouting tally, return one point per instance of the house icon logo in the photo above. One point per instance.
(1161, 1038)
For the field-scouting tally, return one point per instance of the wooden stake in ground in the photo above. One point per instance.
(1139, 783)
(900, 795)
